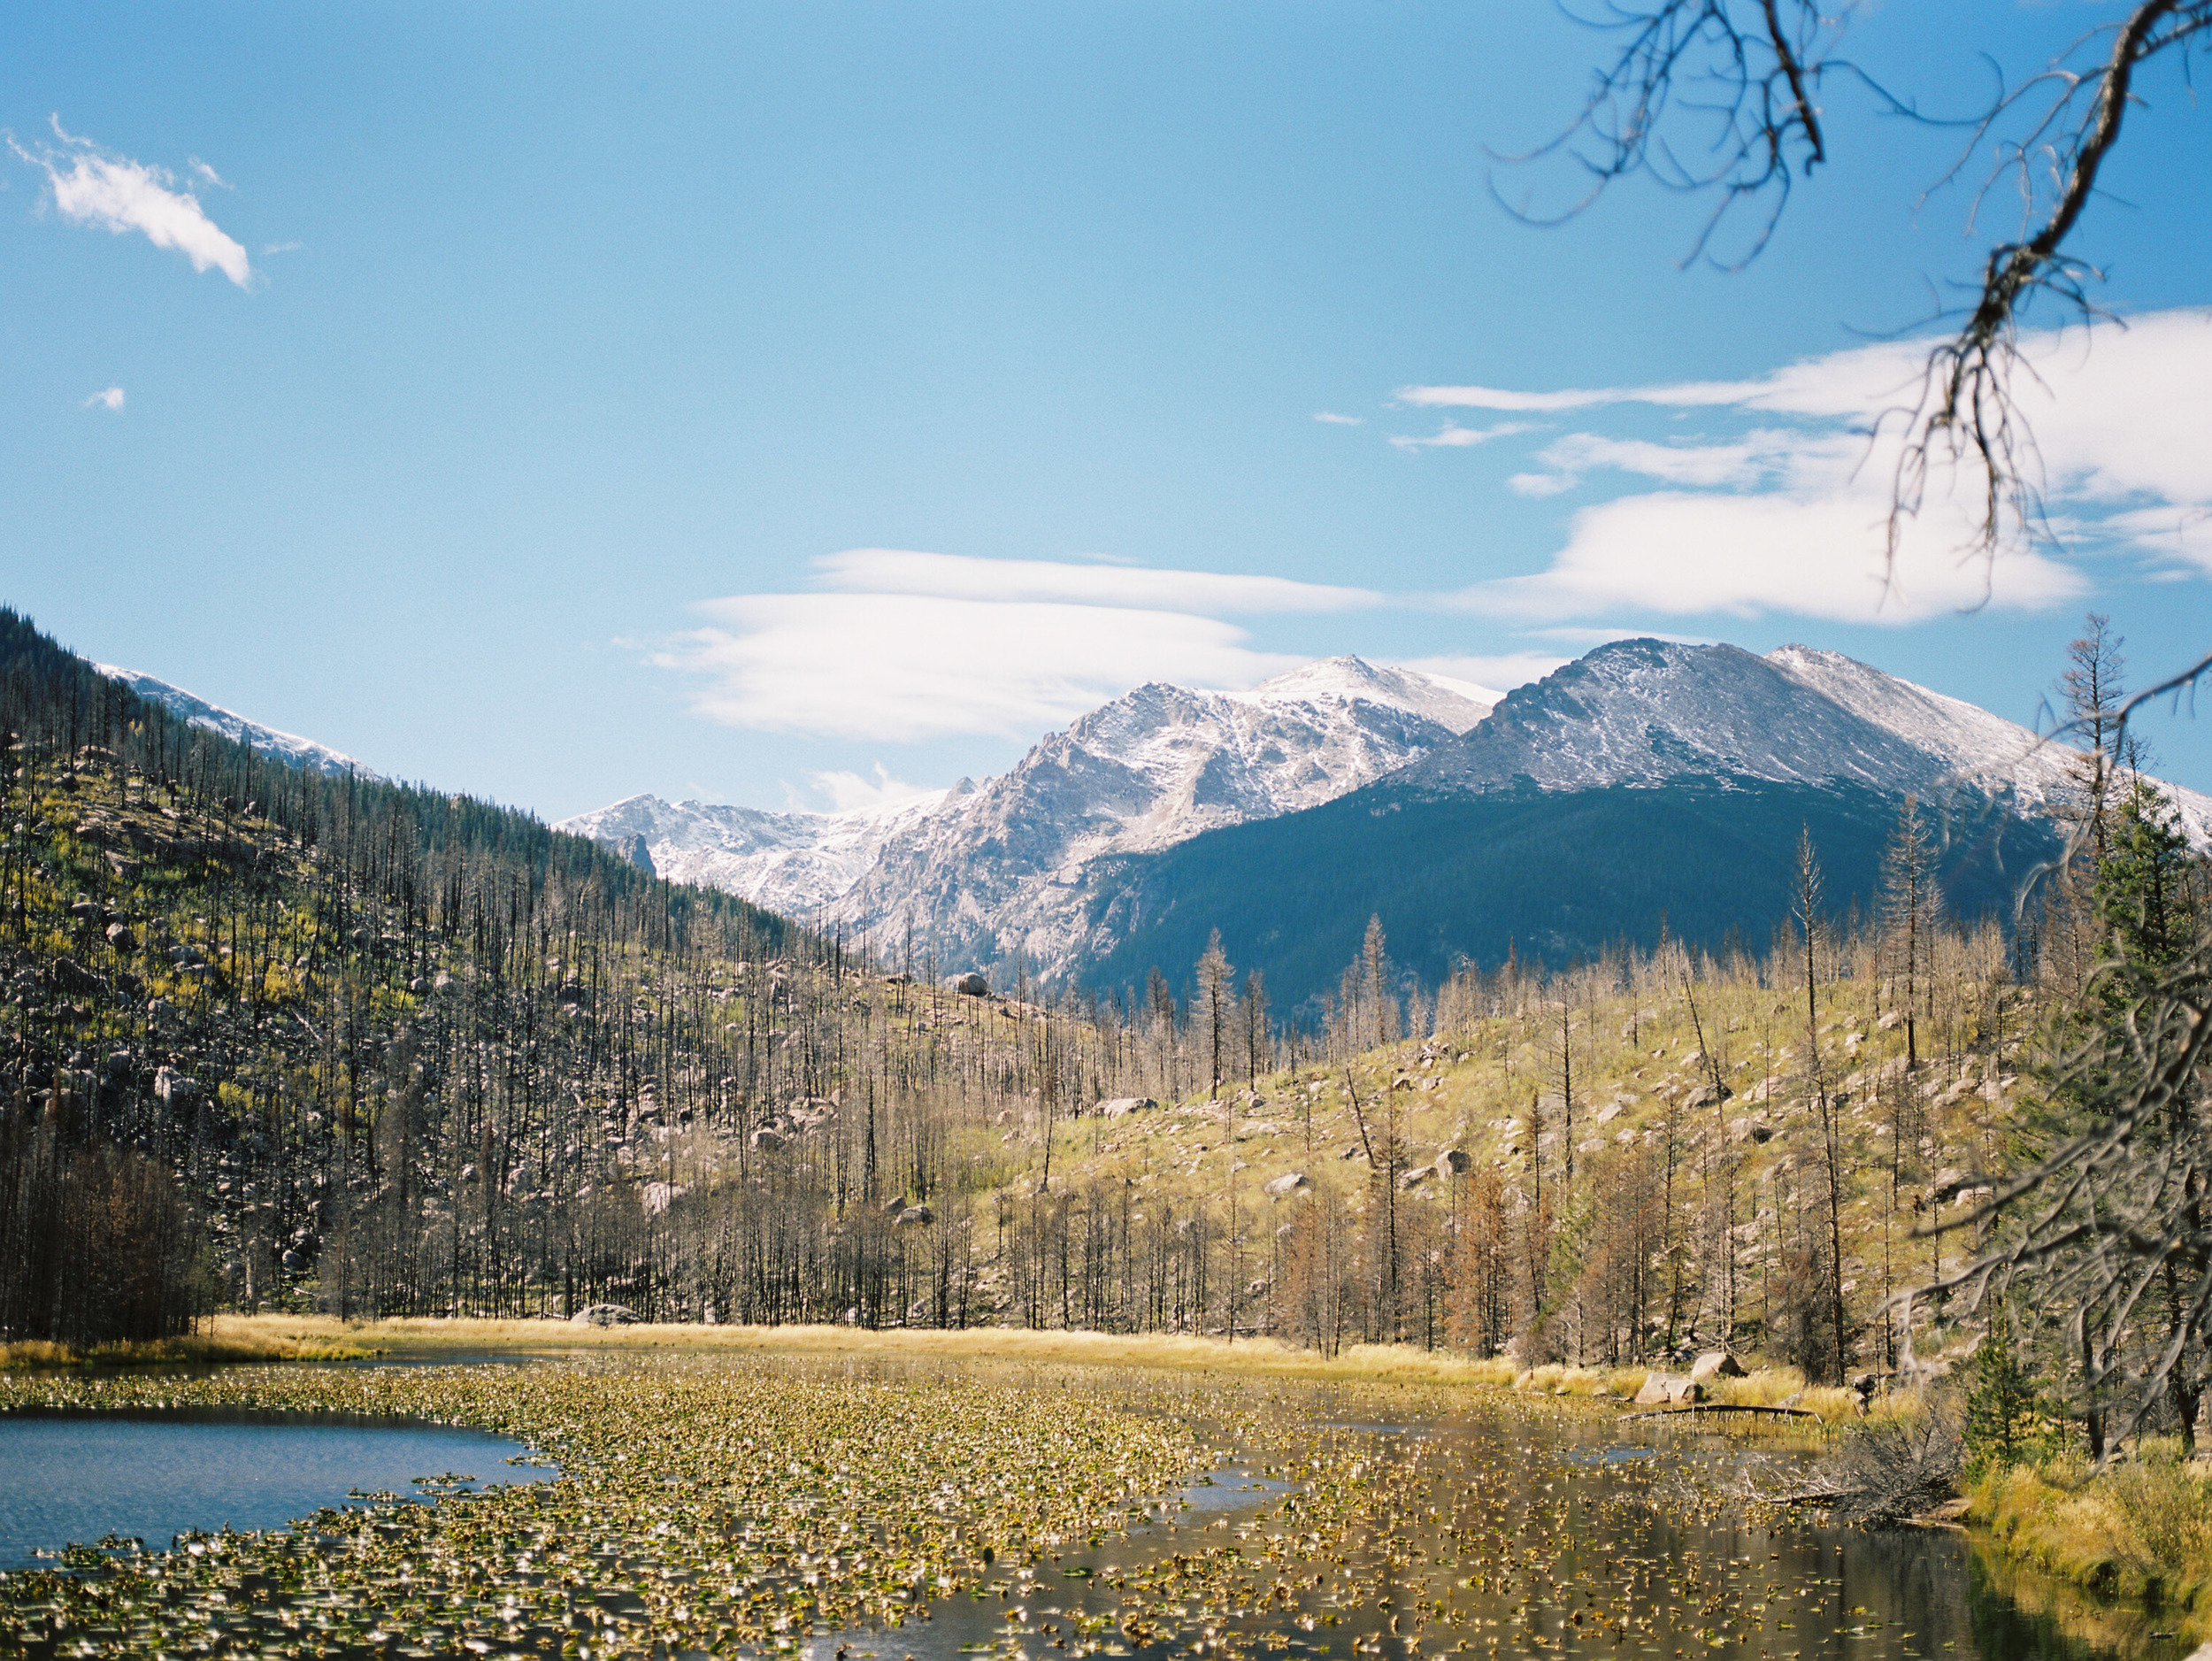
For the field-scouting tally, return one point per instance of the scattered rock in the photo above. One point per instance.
(121, 938)
(172, 1088)
(1283, 1187)
(1414, 1178)
(1707, 1095)
(767, 1140)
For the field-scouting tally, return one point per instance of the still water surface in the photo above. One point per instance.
(69, 1479)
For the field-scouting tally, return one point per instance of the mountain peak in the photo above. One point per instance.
(1456, 704)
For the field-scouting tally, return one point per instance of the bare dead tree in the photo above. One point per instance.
(1721, 97)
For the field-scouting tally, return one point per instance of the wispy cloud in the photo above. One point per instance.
(850, 793)
(107, 398)
(898, 646)
(1334, 419)
(1790, 514)
(1453, 436)
(97, 187)
(207, 174)
(960, 576)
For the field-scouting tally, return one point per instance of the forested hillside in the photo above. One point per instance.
(275, 1039)
(1552, 877)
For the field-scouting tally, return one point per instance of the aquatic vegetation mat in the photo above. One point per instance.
(701, 1507)
(1016, 1512)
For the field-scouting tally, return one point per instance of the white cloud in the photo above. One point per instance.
(960, 577)
(108, 398)
(849, 793)
(1335, 419)
(282, 248)
(92, 187)
(1792, 515)
(1681, 554)
(208, 173)
(906, 647)
(1455, 437)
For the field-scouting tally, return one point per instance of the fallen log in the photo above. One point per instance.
(1721, 1407)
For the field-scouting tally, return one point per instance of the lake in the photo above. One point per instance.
(715, 1501)
(73, 1477)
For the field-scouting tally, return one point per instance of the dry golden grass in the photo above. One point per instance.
(2140, 1531)
(1382, 1363)
(224, 1338)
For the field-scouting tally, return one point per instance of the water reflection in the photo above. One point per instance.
(1494, 1535)
(75, 1478)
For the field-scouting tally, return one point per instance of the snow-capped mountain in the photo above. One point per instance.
(989, 869)
(796, 863)
(288, 748)
(1639, 712)
(1036, 861)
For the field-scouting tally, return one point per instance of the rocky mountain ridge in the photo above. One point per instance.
(984, 870)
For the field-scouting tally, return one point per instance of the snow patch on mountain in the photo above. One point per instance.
(1978, 751)
(797, 864)
(1456, 705)
(288, 748)
(982, 870)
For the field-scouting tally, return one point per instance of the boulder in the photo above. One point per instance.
(1453, 1162)
(1670, 1390)
(767, 1140)
(971, 985)
(604, 1315)
(1283, 1187)
(914, 1216)
(121, 938)
(1414, 1178)
(1707, 1095)
(892, 1207)
(85, 911)
(171, 1086)
(1716, 1363)
(1118, 1106)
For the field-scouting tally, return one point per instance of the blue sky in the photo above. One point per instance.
(559, 403)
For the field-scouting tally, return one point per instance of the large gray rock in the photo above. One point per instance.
(1283, 1187)
(1670, 1390)
(1716, 1363)
(914, 1216)
(604, 1315)
(973, 985)
(1116, 1107)
(1453, 1162)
